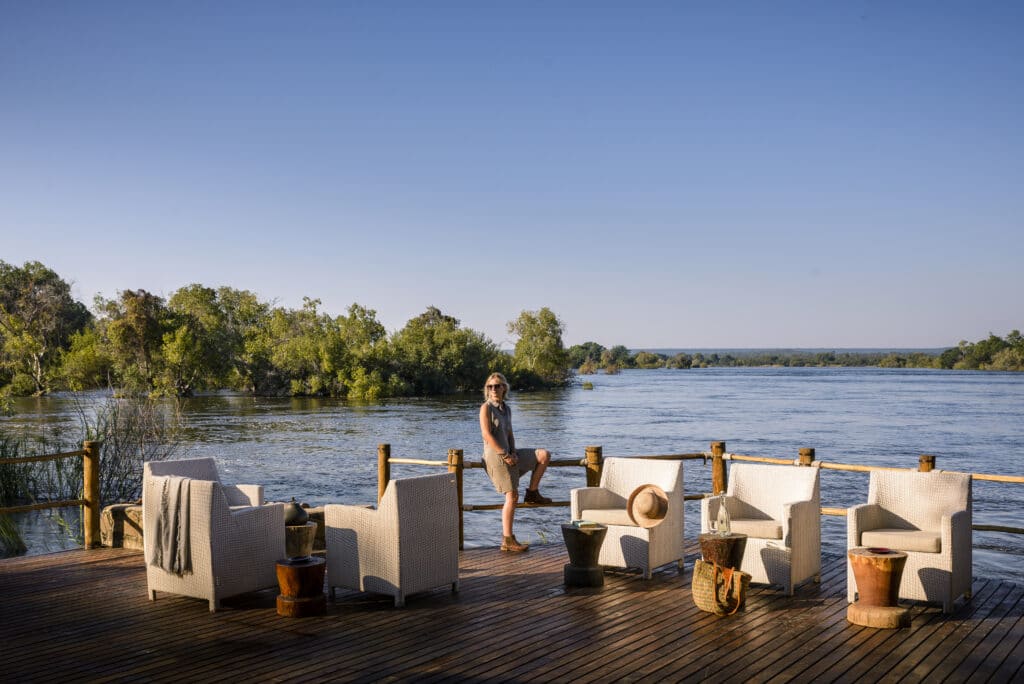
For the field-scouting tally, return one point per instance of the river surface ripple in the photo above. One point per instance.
(323, 451)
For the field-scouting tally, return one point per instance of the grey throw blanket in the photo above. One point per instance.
(172, 550)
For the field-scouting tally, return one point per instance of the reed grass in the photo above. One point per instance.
(132, 429)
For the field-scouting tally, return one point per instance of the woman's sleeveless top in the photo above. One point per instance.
(500, 421)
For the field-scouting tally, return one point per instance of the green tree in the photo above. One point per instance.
(646, 359)
(1009, 359)
(307, 349)
(247, 328)
(364, 367)
(539, 352)
(893, 361)
(135, 324)
(616, 358)
(979, 354)
(680, 360)
(949, 357)
(579, 354)
(198, 347)
(86, 364)
(433, 355)
(38, 317)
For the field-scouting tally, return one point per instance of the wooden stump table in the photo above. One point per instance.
(301, 581)
(724, 549)
(877, 573)
(584, 547)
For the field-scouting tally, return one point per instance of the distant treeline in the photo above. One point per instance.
(994, 353)
(202, 339)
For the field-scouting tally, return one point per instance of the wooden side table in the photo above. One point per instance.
(877, 573)
(584, 547)
(301, 581)
(724, 549)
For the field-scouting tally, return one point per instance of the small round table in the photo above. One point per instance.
(877, 572)
(724, 549)
(301, 581)
(584, 546)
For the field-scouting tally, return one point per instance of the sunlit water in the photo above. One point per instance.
(322, 451)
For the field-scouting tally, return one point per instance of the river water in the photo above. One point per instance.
(323, 451)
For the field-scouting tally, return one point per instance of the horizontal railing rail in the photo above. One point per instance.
(593, 461)
(90, 501)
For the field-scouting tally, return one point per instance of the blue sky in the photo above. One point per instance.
(659, 174)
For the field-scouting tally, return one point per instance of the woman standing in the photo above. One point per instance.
(504, 462)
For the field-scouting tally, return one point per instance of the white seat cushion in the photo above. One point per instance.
(762, 529)
(903, 540)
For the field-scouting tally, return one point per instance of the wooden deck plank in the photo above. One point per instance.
(681, 658)
(974, 638)
(1006, 639)
(771, 639)
(753, 644)
(831, 629)
(553, 652)
(85, 616)
(933, 634)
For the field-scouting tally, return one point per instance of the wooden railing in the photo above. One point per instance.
(593, 461)
(90, 501)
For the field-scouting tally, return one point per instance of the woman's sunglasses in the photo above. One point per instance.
(495, 387)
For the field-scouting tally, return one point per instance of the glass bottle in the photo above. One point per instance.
(723, 523)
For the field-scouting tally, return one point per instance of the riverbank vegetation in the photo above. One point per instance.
(993, 353)
(204, 339)
(207, 339)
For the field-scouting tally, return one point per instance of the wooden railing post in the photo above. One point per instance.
(925, 463)
(456, 464)
(383, 469)
(806, 456)
(91, 494)
(594, 464)
(719, 478)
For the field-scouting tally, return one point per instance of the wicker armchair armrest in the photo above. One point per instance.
(244, 494)
(269, 515)
(593, 497)
(956, 531)
(349, 516)
(860, 518)
(798, 516)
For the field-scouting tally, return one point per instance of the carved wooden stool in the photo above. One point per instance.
(302, 587)
(877, 573)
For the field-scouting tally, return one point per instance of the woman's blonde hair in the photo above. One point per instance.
(497, 376)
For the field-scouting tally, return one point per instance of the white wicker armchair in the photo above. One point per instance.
(409, 544)
(928, 516)
(235, 542)
(627, 545)
(779, 509)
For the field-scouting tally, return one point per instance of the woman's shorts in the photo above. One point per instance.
(504, 476)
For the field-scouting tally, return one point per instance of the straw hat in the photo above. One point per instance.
(647, 505)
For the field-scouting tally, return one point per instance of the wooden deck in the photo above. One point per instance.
(84, 616)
